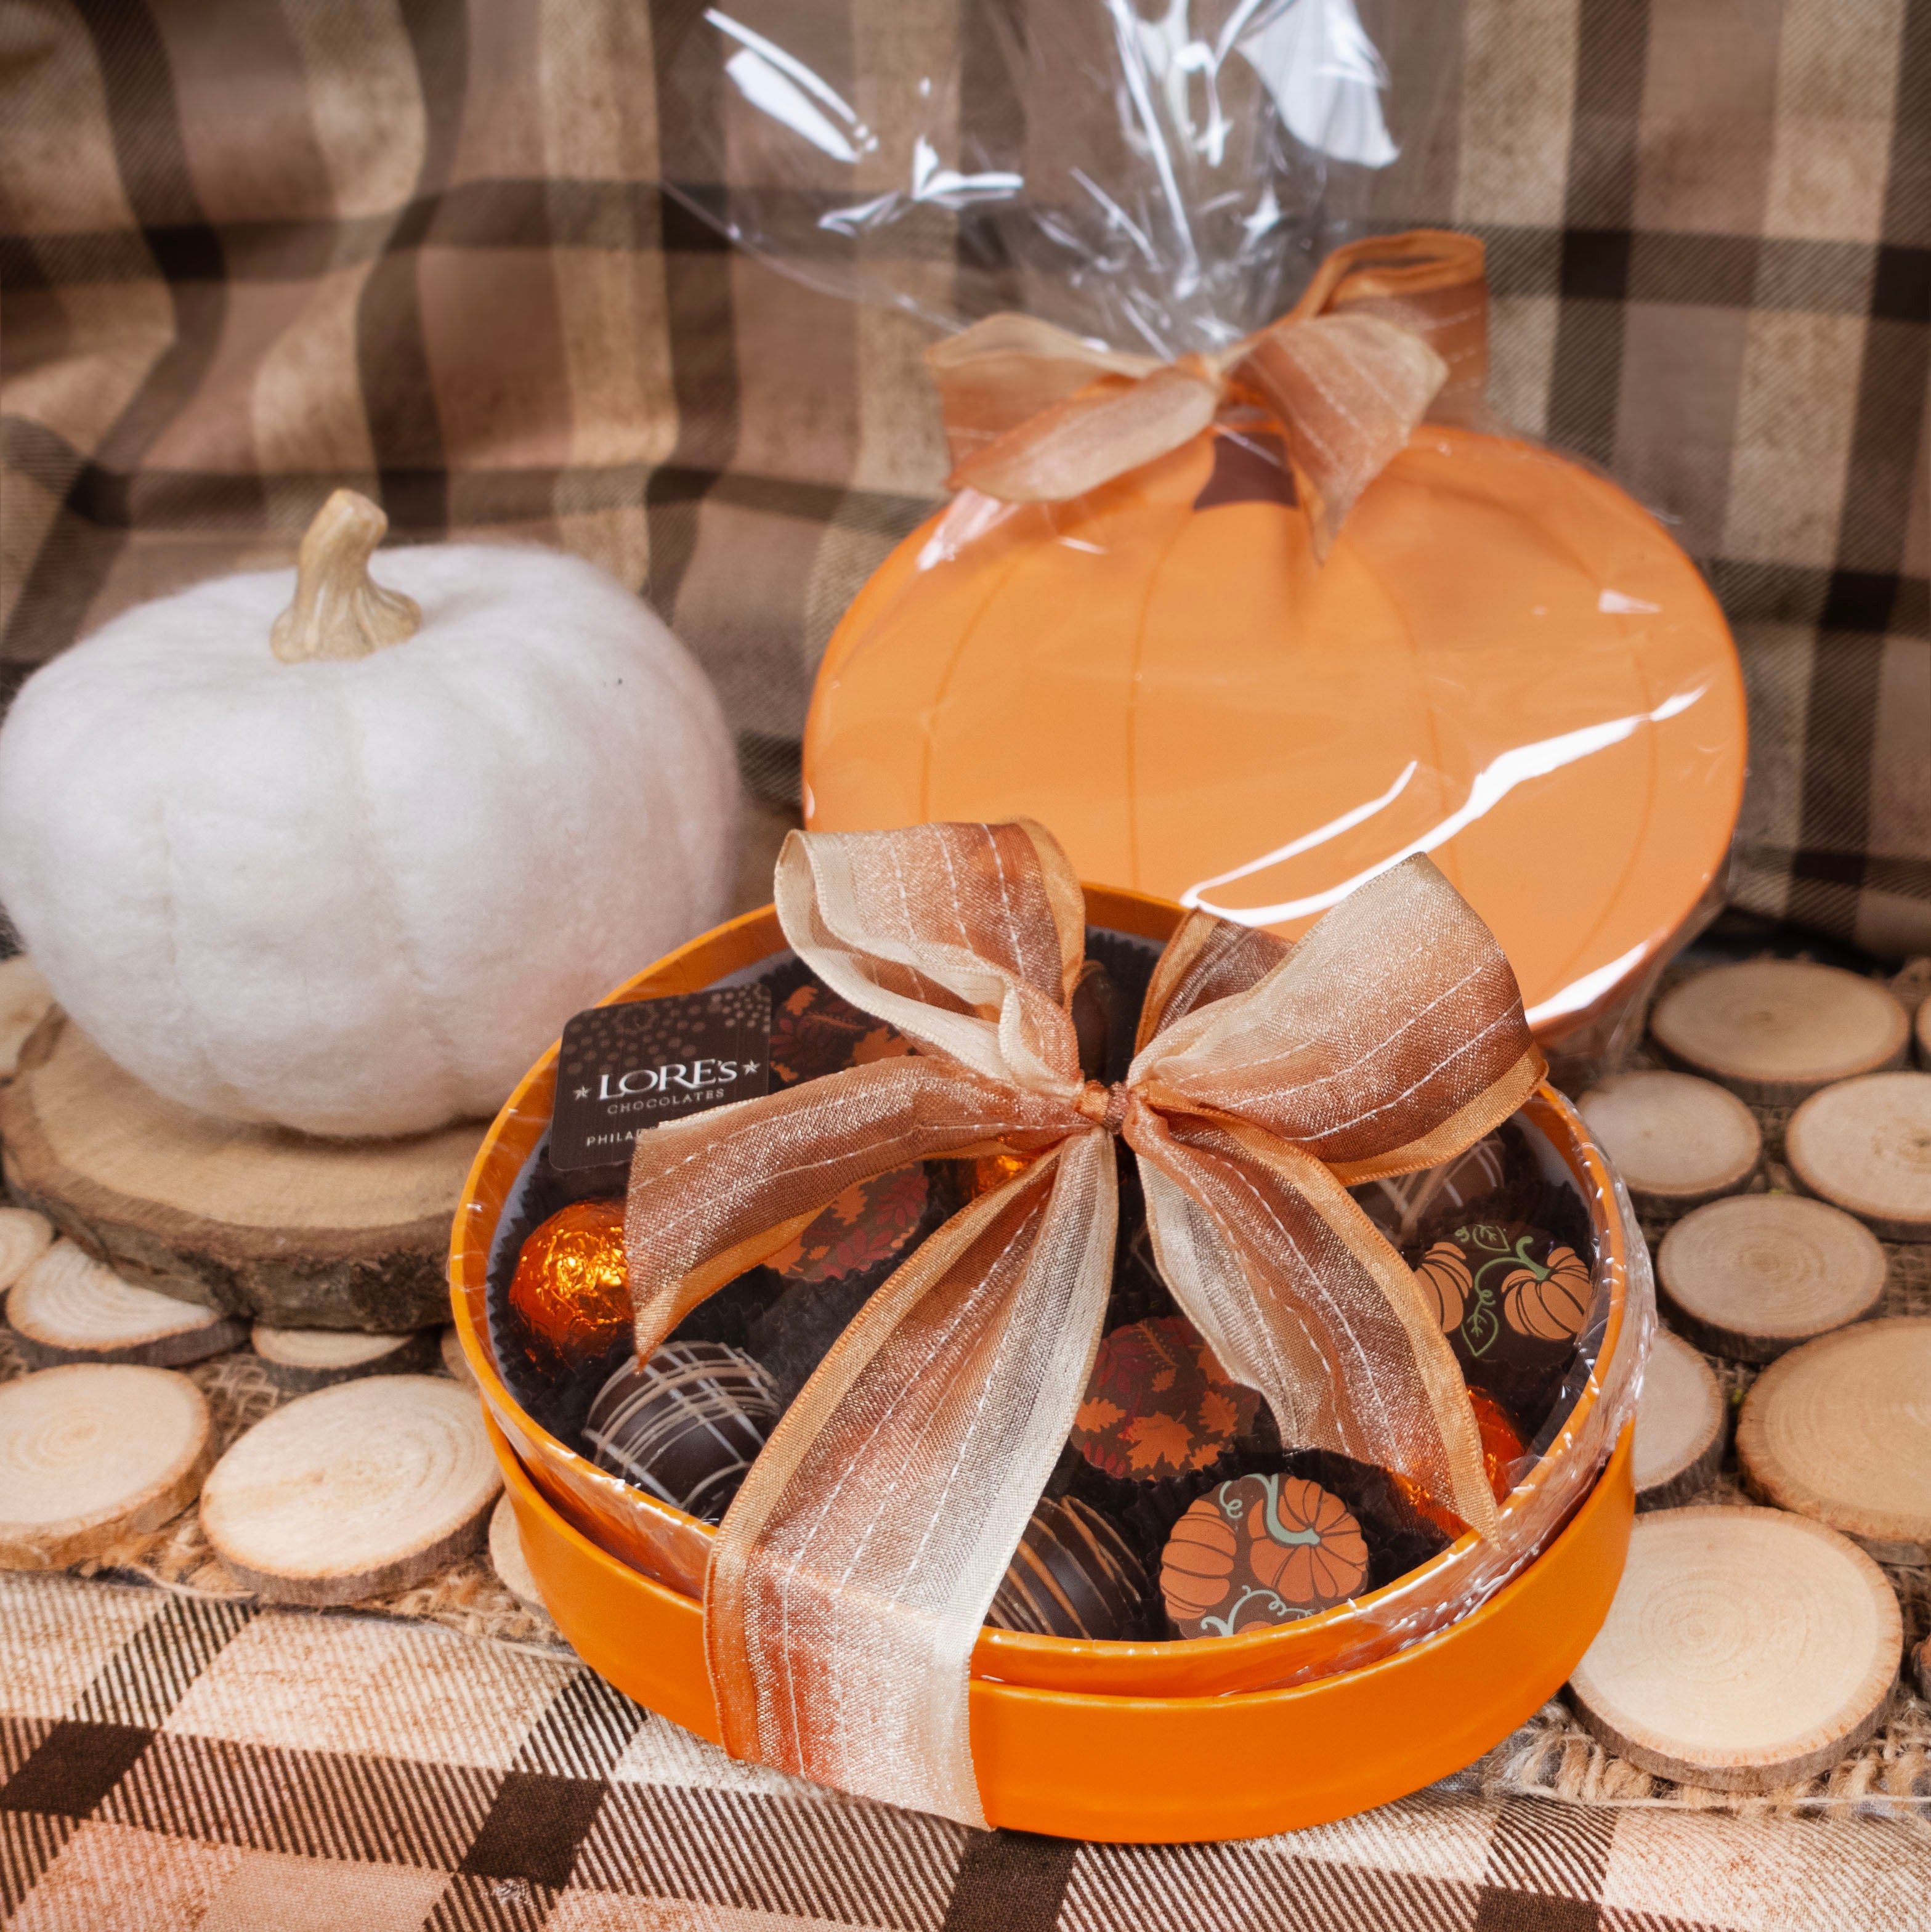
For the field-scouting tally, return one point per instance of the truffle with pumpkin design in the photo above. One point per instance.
(1514, 1301)
(1258, 1551)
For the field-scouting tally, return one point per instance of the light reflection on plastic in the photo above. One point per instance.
(1585, 992)
(1491, 786)
(773, 80)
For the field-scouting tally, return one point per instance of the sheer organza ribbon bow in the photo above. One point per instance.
(1389, 330)
(850, 1580)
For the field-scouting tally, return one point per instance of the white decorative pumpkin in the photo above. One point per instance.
(354, 883)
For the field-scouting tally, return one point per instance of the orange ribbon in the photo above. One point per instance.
(851, 1577)
(1389, 331)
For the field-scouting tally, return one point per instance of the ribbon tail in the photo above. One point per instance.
(1102, 431)
(850, 1580)
(990, 377)
(1348, 390)
(1302, 1298)
(714, 1193)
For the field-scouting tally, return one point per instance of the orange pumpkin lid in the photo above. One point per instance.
(1505, 661)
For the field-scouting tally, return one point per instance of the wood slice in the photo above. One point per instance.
(25, 1236)
(1866, 1146)
(1923, 1030)
(1922, 1667)
(1775, 1029)
(507, 1559)
(91, 1454)
(1754, 1275)
(25, 997)
(354, 1491)
(68, 1307)
(1675, 1140)
(456, 1362)
(256, 1221)
(1680, 1425)
(302, 1359)
(1745, 1649)
(1840, 1430)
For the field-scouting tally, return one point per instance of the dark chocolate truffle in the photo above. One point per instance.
(685, 1426)
(1403, 1204)
(1073, 1575)
(1258, 1551)
(1158, 1405)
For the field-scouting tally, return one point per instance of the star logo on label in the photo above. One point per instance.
(583, 1092)
(751, 1066)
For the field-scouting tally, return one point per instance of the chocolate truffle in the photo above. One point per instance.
(814, 1032)
(685, 1426)
(1259, 1550)
(568, 1293)
(1158, 1404)
(1402, 1205)
(1073, 1575)
(824, 1275)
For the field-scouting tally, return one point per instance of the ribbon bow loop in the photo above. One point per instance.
(1390, 331)
(851, 1577)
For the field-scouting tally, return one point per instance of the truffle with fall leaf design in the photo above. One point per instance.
(826, 1273)
(814, 1032)
(1158, 1405)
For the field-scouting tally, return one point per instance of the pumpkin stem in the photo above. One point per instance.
(340, 610)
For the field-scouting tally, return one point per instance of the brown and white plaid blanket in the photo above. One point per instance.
(251, 249)
(166, 1763)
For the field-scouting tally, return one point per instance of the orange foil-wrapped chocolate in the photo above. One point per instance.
(1502, 1445)
(568, 1289)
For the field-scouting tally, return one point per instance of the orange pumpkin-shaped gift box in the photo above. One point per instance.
(1502, 660)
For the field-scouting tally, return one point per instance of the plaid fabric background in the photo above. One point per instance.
(252, 250)
(165, 1762)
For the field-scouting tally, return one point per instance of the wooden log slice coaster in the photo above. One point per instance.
(1675, 1140)
(456, 1362)
(1775, 1029)
(1745, 1649)
(92, 1454)
(302, 1359)
(1866, 1145)
(25, 1236)
(1680, 1425)
(257, 1221)
(68, 1307)
(1757, 1274)
(507, 1559)
(25, 997)
(1840, 1430)
(354, 1491)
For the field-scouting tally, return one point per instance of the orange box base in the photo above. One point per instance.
(1166, 1770)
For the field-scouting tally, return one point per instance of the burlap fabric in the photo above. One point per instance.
(253, 250)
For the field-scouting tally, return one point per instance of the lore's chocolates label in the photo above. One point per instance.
(624, 1069)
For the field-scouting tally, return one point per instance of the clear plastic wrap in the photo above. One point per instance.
(1505, 661)
(1162, 180)
(513, 1187)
